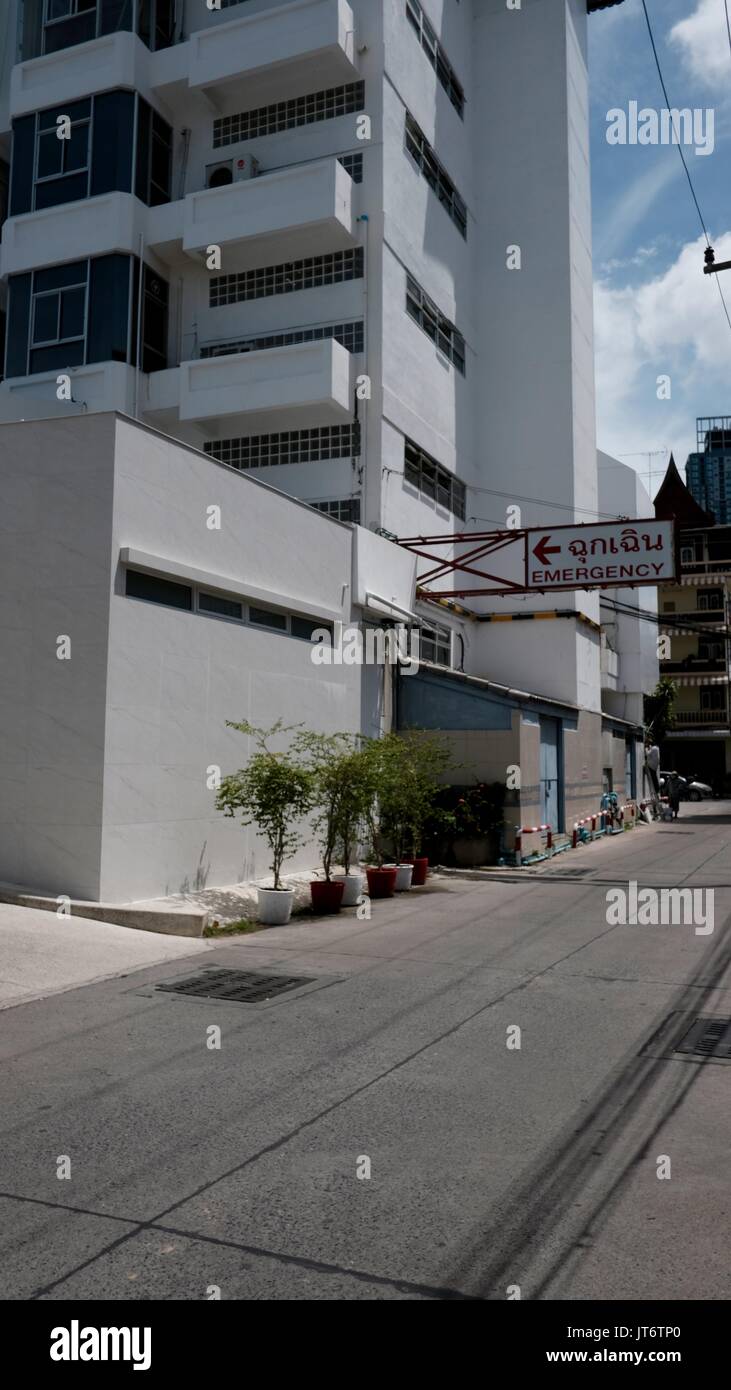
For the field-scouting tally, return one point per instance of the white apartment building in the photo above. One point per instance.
(363, 168)
(343, 246)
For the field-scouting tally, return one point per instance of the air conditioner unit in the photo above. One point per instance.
(217, 175)
(246, 166)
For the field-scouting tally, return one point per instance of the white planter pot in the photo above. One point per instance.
(403, 877)
(275, 905)
(353, 888)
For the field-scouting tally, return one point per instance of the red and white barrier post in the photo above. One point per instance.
(530, 830)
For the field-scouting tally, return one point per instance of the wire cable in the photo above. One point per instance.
(680, 149)
(667, 620)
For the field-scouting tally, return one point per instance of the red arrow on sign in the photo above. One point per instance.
(543, 550)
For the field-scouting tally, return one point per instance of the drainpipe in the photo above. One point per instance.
(185, 134)
(364, 421)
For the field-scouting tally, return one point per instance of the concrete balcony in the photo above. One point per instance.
(291, 387)
(112, 61)
(90, 227)
(286, 215)
(287, 49)
(100, 386)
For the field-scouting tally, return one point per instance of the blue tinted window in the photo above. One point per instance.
(45, 319)
(155, 590)
(19, 300)
(224, 607)
(109, 290)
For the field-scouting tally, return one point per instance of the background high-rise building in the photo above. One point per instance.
(708, 471)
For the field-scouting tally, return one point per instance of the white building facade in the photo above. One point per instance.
(400, 150)
(343, 247)
(148, 595)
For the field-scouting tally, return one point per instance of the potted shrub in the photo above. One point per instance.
(420, 867)
(406, 766)
(274, 792)
(478, 815)
(380, 875)
(335, 761)
(410, 764)
(352, 813)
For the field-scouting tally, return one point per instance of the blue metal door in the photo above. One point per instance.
(550, 797)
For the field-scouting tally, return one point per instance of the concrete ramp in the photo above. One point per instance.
(42, 954)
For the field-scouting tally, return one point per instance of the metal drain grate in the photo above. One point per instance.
(239, 986)
(708, 1037)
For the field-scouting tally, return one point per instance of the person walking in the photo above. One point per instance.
(673, 790)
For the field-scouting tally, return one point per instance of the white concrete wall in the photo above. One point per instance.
(104, 758)
(534, 405)
(56, 485)
(176, 677)
(633, 638)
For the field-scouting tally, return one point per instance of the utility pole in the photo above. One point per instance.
(710, 267)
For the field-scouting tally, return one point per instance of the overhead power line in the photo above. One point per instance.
(667, 620)
(680, 150)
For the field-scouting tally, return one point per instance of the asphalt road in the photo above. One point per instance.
(195, 1168)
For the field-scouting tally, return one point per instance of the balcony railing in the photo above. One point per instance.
(693, 567)
(695, 665)
(719, 718)
(693, 615)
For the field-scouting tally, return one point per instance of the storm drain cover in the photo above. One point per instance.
(240, 986)
(708, 1037)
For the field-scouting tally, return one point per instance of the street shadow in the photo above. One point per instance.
(533, 1210)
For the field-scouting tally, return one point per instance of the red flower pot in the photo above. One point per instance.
(418, 878)
(326, 897)
(381, 882)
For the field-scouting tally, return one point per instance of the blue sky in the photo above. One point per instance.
(656, 313)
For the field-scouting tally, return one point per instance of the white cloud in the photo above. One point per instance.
(671, 325)
(631, 208)
(642, 254)
(703, 43)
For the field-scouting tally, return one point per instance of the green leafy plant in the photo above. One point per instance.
(478, 810)
(405, 770)
(459, 813)
(242, 928)
(343, 781)
(274, 792)
(355, 803)
(660, 709)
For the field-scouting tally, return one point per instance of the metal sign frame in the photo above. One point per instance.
(487, 543)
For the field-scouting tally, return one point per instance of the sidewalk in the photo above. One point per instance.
(42, 954)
